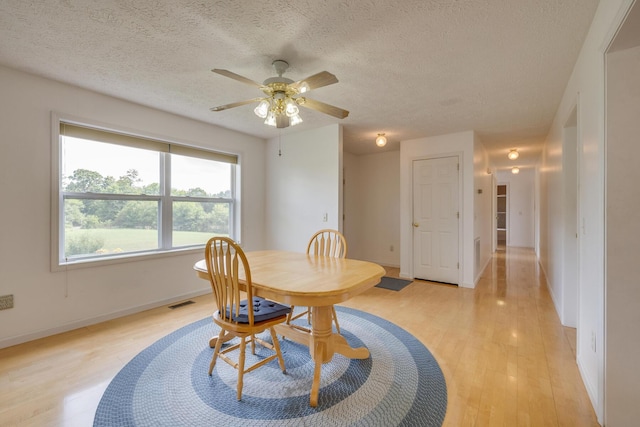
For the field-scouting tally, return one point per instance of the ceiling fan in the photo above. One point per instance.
(279, 107)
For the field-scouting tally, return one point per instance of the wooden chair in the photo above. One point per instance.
(329, 243)
(237, 316)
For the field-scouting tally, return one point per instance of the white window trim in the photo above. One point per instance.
(56, 200)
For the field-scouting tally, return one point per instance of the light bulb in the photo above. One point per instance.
(291, 109)
(381, 140)
(513, 154)
(515, 170)
(294, 120)
(271, 119)
(304, 87)
(262, 109)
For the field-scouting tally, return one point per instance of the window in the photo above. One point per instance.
(120, 195)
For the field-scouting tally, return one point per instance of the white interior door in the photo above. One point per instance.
(435, 219)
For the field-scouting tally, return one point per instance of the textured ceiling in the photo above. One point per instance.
(410, 68)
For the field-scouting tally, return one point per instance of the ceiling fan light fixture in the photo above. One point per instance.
(280, 106)
(291, 108)
(262, 109)
(513, 154)
(381, 140)
(271, 119)
(295, 119)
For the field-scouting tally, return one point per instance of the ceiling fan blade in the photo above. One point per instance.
(322, 107)
(237, 77)
(235, 104)
(323, 78)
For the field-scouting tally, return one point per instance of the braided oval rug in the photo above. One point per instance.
(167, 384)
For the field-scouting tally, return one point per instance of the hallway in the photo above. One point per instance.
(506, 358)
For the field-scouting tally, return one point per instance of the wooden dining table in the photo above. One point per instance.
(315, 281)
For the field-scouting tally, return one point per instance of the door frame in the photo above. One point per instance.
(494, 213)
(507, 212)
(460, 156)
(571, 216)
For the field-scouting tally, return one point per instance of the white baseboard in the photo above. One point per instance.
(591, 390)
(382, 263)
(19, 339)
(484, 267)
(554, 299)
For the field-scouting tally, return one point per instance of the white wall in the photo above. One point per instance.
(482, 207)
(462, 144)
(559, 253)
(353, 181)
(586, 87)
(569, 299)
(372, 197)
(520, 206)
(303, 184)
(46, 302)
(623, 239)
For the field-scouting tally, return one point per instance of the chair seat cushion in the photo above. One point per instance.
(262, 310)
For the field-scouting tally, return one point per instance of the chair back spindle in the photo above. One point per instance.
(225, 260)
(329, 243)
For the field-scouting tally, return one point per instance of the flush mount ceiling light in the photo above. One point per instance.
(515, 170)
(513, 154)
(280, 106)
(381, 140)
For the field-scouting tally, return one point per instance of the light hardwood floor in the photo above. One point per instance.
(506, 358)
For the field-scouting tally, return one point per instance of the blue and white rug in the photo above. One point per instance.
(167, 384)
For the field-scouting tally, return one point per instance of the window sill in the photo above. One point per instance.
(125, 258)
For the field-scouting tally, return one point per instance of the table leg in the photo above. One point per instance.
(341, 346)
(321, 345)
(315, 387)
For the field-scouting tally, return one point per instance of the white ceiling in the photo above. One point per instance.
(410, 68)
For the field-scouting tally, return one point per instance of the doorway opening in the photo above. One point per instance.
(501, 217)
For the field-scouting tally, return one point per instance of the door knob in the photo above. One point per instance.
(415, 224)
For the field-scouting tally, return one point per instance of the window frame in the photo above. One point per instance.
(165, 199)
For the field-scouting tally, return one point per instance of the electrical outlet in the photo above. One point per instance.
(6, 301)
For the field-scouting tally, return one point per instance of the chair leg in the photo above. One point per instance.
(290, 314)
(335, 318)
(253, 344)
(243, 345)
(216, 351)
(276, 346)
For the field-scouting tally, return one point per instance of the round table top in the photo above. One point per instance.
(302, 279)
